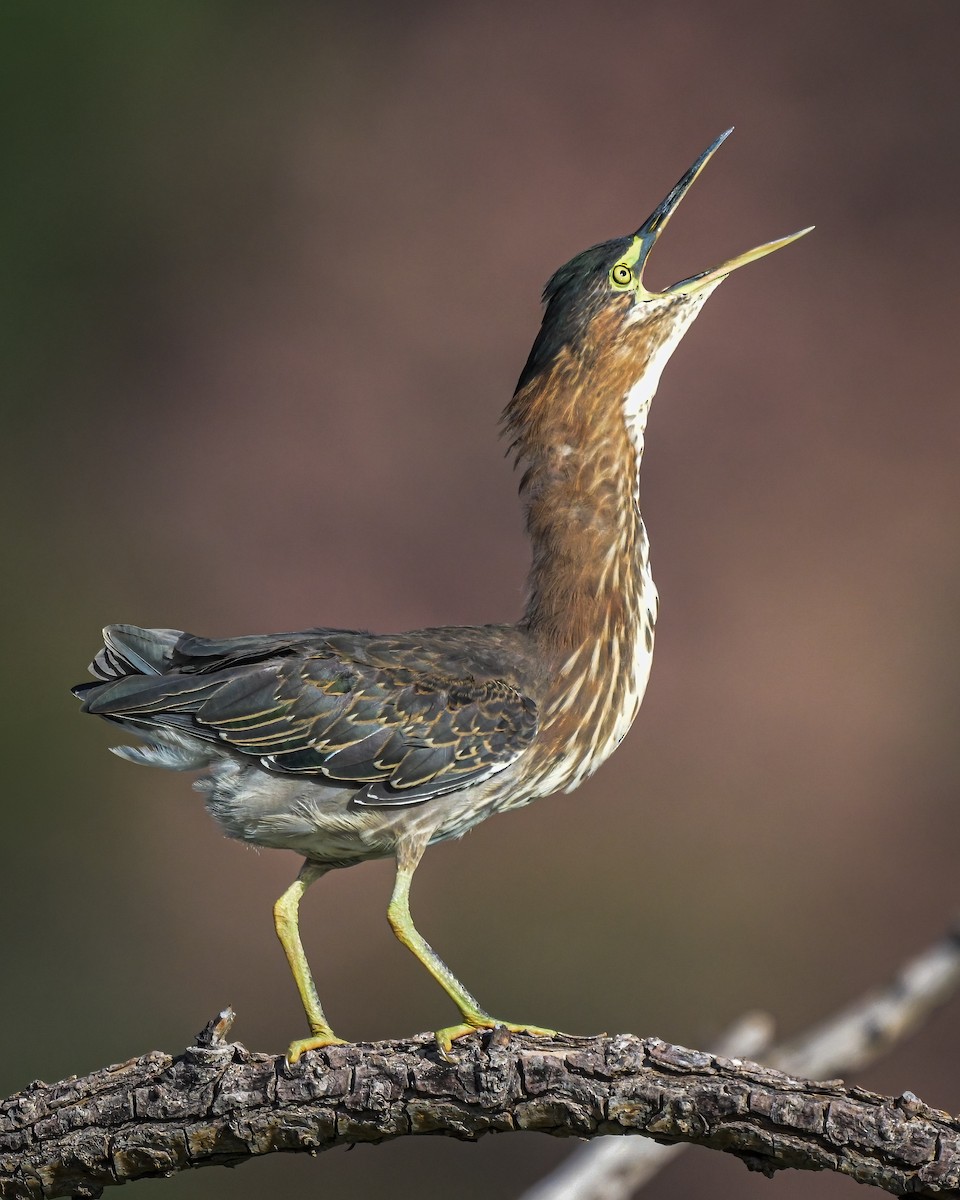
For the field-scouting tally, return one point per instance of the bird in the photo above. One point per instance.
(345, 745)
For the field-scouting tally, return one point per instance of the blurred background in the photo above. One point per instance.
(269, 275)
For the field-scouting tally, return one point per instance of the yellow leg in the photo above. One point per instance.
(286, 920)
(401, 922)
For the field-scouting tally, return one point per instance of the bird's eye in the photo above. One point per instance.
(621, 275)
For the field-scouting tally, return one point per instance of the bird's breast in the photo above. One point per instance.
(597, 690)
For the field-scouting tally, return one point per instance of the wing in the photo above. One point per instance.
(393, 717)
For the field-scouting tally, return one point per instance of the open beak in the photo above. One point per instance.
(650, 231)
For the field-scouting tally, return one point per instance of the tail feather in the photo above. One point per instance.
(130, 650)
(142, 695)
(128, 688)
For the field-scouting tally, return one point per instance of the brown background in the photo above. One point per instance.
(270, 273)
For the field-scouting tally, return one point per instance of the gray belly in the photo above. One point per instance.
(317, 819)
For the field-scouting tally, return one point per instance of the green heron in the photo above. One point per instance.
(345, 745)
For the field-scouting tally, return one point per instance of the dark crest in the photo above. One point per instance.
(573, 296)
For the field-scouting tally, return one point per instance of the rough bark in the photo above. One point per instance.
(220, 1103)
(844, 1042)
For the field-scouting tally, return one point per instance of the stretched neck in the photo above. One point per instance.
(580, 493)
(578, 429)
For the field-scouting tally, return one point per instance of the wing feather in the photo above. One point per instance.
(401, 719)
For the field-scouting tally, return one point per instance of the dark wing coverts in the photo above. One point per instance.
(391, 715)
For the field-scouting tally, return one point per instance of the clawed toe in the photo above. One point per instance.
(317, 1042)
(446, 1037)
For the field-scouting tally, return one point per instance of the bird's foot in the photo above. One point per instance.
(319, 1039)
(446, 1037)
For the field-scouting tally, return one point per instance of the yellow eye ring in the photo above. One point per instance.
(621, 275)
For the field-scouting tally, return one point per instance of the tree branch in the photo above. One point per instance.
(616, 1168)
(846, 1041)
(220, 1103)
